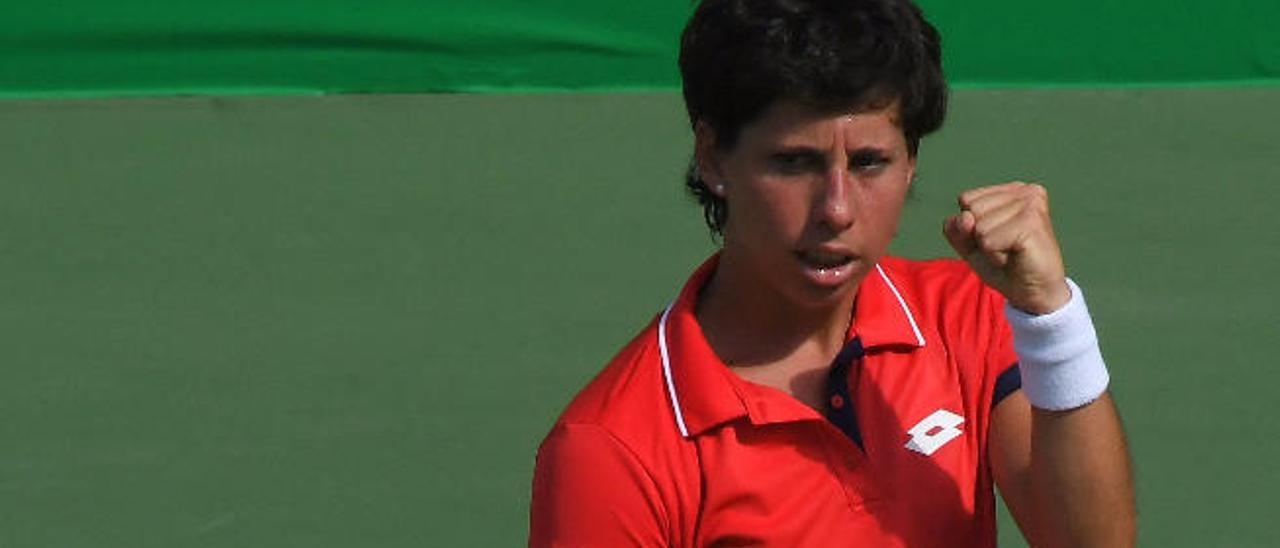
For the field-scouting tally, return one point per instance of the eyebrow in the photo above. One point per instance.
(818, 151)
(865, 150)
(798, 149)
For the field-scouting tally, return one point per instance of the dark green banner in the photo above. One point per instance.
(92, 47)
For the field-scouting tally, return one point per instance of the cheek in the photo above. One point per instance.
(765, 203)
(886, 208)
(782, 208)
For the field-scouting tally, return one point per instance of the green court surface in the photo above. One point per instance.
(348, 320)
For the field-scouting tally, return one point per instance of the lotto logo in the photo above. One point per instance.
(930, 434)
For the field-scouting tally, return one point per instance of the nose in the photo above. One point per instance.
(834, 207)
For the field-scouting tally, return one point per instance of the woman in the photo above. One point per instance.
(805, 389)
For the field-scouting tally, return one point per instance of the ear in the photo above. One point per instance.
(911, 169)
(707, 158)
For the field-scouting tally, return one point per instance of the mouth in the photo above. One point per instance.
(827, 268)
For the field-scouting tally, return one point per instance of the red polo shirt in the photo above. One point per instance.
(668, 447)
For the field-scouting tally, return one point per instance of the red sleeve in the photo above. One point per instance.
(1002, 373)
(590, 490)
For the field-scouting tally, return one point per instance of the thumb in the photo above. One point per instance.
(959, 232)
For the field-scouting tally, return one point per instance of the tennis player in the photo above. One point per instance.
(806, 389)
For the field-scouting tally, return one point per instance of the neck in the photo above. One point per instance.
(748, 324)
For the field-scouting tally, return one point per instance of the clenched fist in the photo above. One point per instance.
(1006, 235)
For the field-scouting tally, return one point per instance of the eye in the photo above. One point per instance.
(867, 160)
(793, 163)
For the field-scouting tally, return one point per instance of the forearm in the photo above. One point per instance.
(1058, 454)
(1080, 479)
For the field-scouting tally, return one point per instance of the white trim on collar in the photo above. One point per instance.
(666, 371)
(666, 355)
(905, 310)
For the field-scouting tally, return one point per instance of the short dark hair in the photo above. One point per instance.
(739, 57)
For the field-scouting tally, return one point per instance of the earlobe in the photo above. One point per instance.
(705, 165)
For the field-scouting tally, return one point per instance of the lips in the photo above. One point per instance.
(824, 259)
(827, 267)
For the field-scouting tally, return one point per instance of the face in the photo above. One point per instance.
(814, 197)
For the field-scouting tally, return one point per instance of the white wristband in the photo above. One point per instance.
(1058, 355)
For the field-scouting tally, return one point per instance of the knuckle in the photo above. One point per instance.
(1033, 219)
(1035, 196)
(980, 237)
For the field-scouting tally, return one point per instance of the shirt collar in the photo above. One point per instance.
(703, 391)
(882, 314)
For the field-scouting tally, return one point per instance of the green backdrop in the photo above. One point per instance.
(92, 47)
(338, 321)
(348, 321)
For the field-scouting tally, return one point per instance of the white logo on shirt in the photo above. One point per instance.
(930, 434)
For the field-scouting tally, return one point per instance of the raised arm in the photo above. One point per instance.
(1057, 448)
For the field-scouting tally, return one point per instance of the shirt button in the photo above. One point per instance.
(837, 401)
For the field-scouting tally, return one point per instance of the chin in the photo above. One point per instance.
(821, 297)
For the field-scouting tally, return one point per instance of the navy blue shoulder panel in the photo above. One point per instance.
(1008, 382)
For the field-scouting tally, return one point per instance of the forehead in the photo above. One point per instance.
(787, 121)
